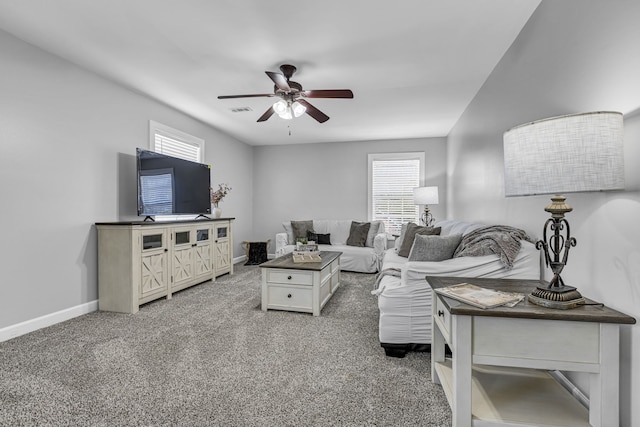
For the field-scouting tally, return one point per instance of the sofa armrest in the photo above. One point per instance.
(281, 241)
(379, 246)
(380, 243)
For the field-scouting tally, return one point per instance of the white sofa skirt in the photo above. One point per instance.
(405, 302)
(353, 258)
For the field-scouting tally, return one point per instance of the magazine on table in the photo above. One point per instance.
(480, 297)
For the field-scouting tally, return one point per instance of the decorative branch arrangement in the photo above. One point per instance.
(219, 194)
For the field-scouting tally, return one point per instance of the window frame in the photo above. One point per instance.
(372, 157)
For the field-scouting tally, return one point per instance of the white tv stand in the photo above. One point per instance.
(142, 261)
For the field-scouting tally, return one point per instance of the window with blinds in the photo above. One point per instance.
(172, 142)
(392, 178)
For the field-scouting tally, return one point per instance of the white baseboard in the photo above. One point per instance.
(46, 320)
(57, 317)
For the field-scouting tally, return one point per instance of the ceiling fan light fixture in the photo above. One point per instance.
(280, 107)
(288, 110)
(283, 109)
(298, 109)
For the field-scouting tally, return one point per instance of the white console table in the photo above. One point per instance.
(499, 370)
(142, 261)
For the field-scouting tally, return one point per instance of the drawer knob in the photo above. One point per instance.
(440, 313)
(289, 296)
(289, 277)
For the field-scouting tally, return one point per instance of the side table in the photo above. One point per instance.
(498, 372)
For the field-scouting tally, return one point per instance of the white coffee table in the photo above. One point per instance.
(303, 287)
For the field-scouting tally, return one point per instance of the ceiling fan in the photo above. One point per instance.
(291, 94)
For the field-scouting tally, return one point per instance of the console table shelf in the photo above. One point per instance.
(517, 396)
(498, 374)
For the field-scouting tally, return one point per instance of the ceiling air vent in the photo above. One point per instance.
(240, 109)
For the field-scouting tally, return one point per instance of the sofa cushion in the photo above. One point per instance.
(451, 226)
(409, 235)
(434, 248)
(358, 233)
(338, 228)
(300, 228)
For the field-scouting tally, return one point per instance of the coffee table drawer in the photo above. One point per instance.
(289, 277)
(289, 297)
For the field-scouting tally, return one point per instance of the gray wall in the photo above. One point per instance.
(67, 141)
(328, 181)
(573, 56)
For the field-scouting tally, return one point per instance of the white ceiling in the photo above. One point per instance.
(413, 65)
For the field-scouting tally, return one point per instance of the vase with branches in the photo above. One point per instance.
(219, 194)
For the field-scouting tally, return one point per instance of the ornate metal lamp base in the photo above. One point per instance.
(555, 246)
(560, 297)
(427, 217)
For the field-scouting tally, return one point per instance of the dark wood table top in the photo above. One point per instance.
(286, 261)
(591, 312)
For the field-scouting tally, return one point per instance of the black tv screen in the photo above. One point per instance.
(171, 186)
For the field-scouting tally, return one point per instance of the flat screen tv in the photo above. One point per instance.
(171, 186)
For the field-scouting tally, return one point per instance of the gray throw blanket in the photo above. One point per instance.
(500, 240)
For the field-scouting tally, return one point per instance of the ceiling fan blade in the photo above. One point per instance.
(266, 115)
(257, 95)
(279, 80)
(327, 93)
(314, 112)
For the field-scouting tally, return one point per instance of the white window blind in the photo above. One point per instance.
(392, 181)
(173, 147)
(173, 142)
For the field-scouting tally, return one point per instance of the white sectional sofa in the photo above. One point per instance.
(405, 297)
(365, 259)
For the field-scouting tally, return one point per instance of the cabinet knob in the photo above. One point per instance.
(440, 313)
(166, 250)
(289, 296)
(289, 277)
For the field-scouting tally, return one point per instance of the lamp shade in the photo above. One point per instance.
(425, 195)
(580, 152)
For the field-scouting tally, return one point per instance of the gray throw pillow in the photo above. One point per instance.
(373, 232)
(300, 229)
(358, 233)
(400, 238)
(409, 235)
(434, 248)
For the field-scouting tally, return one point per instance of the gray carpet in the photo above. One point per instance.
(211, 357)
